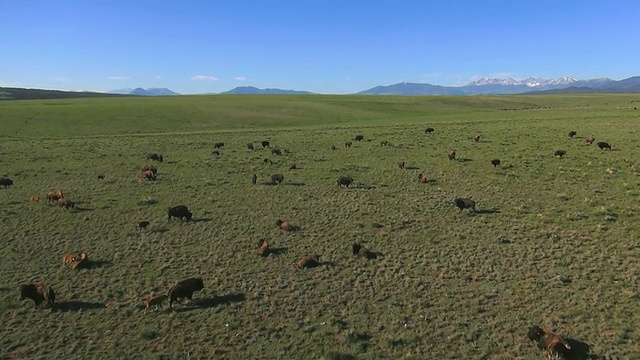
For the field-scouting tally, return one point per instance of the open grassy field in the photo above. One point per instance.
(554, 241)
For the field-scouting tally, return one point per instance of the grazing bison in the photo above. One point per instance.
(560, 153)
(284, 225)
(185, 289)
(149, 167)
(54, 195)
(215, 152)
(604, 145)
(361, 251)
(465, 203)
(347, 144)
(451, 154)
(155, 301)
(477, 137)
(156, 157)
(250, 146)
(276, 151)
(6, 182)
(401, 164)
(35, 198)
(384, 143)
(345, 181)
(218, 145)
(263, 248)
(265, 144)
(82, 262)
(148, 175)
(39, 293)
(143, 225)
(572, 133)
(254, 179)
(68, 258)
(277, 178)
(101, 177)
(293, 167)
(180, 212)
(358, 138)
(309, 261)
(429, 130)
(333, 147)
(589, 140)
(422, 179)
(547, 340)
(495, 162)
(65, 203)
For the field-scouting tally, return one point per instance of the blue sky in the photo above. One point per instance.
(336, 47)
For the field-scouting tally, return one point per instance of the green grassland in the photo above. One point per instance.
(555, 240)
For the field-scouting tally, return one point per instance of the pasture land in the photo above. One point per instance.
(554, 241)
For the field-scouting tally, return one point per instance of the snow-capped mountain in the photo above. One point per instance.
(530, 82)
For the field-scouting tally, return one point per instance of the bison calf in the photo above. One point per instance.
(263, 248)
(422, 179)
(572, 133)
(54, 195)
(284, 225)
(451, 154)
(66, 203)
(39, 293)
(604, 145)
(155, 301)
(309, 261)
(6, 182)
(185, 289)
(180, 212)
(547, 340)
(68, 258)
(35, 198)
(589, 140)
(465, 203)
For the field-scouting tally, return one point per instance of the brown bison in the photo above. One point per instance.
(54, 195)
(68, 258)
(477, 137)
(149, 167)
(451, 154)
(547, 340)
(276, 151)
(185, 289)
(284, 225)
(66, 203)
(309, 261)
(142, 225)
(465, 203)
(422, 179)
(155, 301)
(277, 178)
(263, 248)
(250, 146)
(156, 157)
(359, 138)
(559, 153)
(345, 181)
(35, 198)
(384, 143)
(6, 182)
(180, 212)
(361, 251)
(39, 293)
(604, 145)
(401, 164)
(590, 139)
(254, 179)
(218, 145)
(495, 162)
(572, 133)
(147, 175)
(81, 262)
(347, 144)
(265, 144)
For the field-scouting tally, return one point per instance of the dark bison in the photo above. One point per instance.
(495, 162)
(345, 181)
(149, 167)
(6, 182)
(347, 144)
(358, 138)
(604, 145)
(451, 154)
(572, 133)
(218, 145)
(401, 164)
(254, 179)
(422, 178)
(215, 152)
(268, 161)
(429, 130)
(39, 293)
(361, 251)
(156, 157)
(180, 211)
(185, 289)
(589, 140)
(263, 248)
(143, 225)
(265, 144)
(65, 203)
(54, 195)
(250, 146)
(465, 203)
(547, 340)
(477, 137)
(276, 151)
(101, 177)
(277, 178)
(148, 175)
(560, 153)
(309, 261)
(384, 142)
(333, 147)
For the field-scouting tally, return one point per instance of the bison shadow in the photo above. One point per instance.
(488, 211)
(211, 302)
(81, 209)
(464, 160)
(94, 264)
(160, 230)
(278, 250)
(77, 305)
(201, 220)
(292, 183)
(580, 351)
(411, 167)
(269, 183)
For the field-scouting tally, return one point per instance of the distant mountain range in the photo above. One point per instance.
(254, 90)
(142, 92)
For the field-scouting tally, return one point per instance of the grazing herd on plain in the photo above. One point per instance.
(41, 293)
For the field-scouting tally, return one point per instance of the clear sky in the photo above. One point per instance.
(323, 46)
